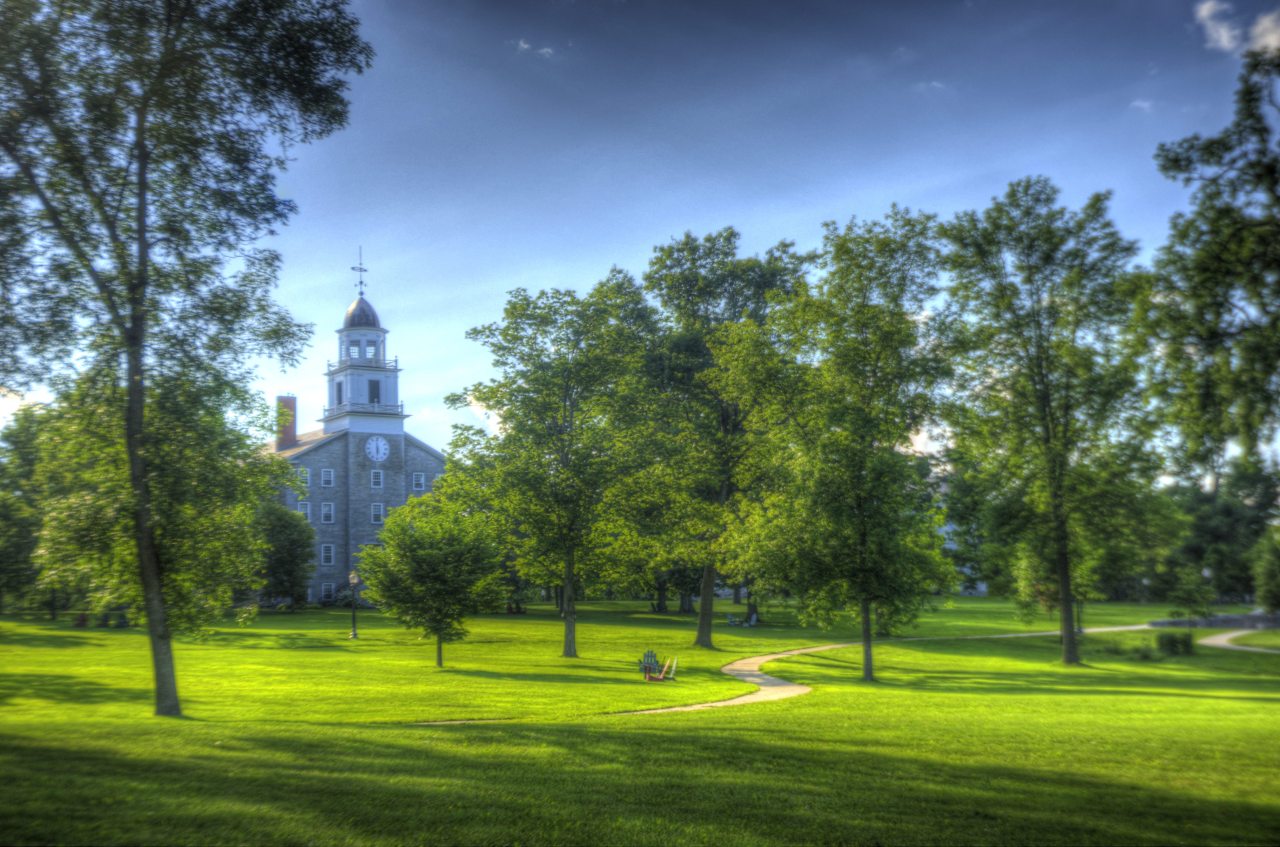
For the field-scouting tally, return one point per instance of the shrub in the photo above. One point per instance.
(1175, 643)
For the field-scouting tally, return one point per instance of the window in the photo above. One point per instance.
(375, 479)
(304, 475)
(304, 506)
(326, 591)
(326, 477)
(419, 482)
(375, 513)
(326, 555)
(375, 391)
(371, 349)
(353, 350)
(337, 392)
(326, 513)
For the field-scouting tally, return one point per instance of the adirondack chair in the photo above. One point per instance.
(654, 671)
(649, 664)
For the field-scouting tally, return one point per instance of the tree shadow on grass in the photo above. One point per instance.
(58, 688)
(1032, 680)
(51, 638)
(577, 783)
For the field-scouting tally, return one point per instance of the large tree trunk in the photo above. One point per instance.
(166, 681)
(868, 671)
(568, 611)
(660, 605)
(439, 651)
(134, 437)
(1062, 565)
(737, 594)
(705, 607)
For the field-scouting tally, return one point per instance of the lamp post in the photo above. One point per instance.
(354, 579)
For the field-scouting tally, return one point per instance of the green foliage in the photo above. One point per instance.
(435, 564)
(1265, 557)
(713, 461)
(1223, 526)
(134, 140)
(1212, 306)
(208, 487)
(1044, 389)
(839, 378)
(19, 509)
(1192, 595)
(567, 366)
(289, 555)
(1176, 643)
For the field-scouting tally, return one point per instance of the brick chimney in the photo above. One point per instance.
(286, 421)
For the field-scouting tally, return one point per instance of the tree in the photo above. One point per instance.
(133, 142)
(19, 507)
(1212, 306)
(564, 365)
(841, 377)
(435, 554)
(704, 288)
(1042, 380)
(1266, 570)
(207, 486)
(290, 554)
(1224, 525)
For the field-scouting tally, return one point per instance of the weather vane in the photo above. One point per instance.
(360, 269)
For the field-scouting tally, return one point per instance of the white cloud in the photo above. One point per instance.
(1265, 32)
(930, 87)
(545, 52)
(1220, 31)
(522, 45)
(1142, 105)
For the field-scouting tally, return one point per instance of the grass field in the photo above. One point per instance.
(1264, 638)
(296, 735)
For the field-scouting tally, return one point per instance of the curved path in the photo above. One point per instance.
(775, 688)
(748, 670)
(1223, 640)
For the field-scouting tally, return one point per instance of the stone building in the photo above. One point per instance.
(361, 463)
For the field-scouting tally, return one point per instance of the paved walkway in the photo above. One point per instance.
(748, 670)
(1223, 640)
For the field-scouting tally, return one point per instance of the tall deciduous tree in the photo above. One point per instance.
(703, 288)
(134, 162)
(435, 552)
(565, 363)
(841, 377)
(1042, 378)
(207, 487)
(1213, 302)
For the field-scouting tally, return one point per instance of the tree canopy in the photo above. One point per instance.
(139, 142)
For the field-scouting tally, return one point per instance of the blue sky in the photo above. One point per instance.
(533, 144)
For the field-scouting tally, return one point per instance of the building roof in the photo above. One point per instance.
(361, 314)
(307, 441)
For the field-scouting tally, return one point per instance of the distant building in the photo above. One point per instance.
(361, 463)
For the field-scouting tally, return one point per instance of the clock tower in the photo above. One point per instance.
(361, 464)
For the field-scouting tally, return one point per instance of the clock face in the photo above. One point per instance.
(377, 448)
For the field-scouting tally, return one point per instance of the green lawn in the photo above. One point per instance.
(295, 734)
(1262, 638)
